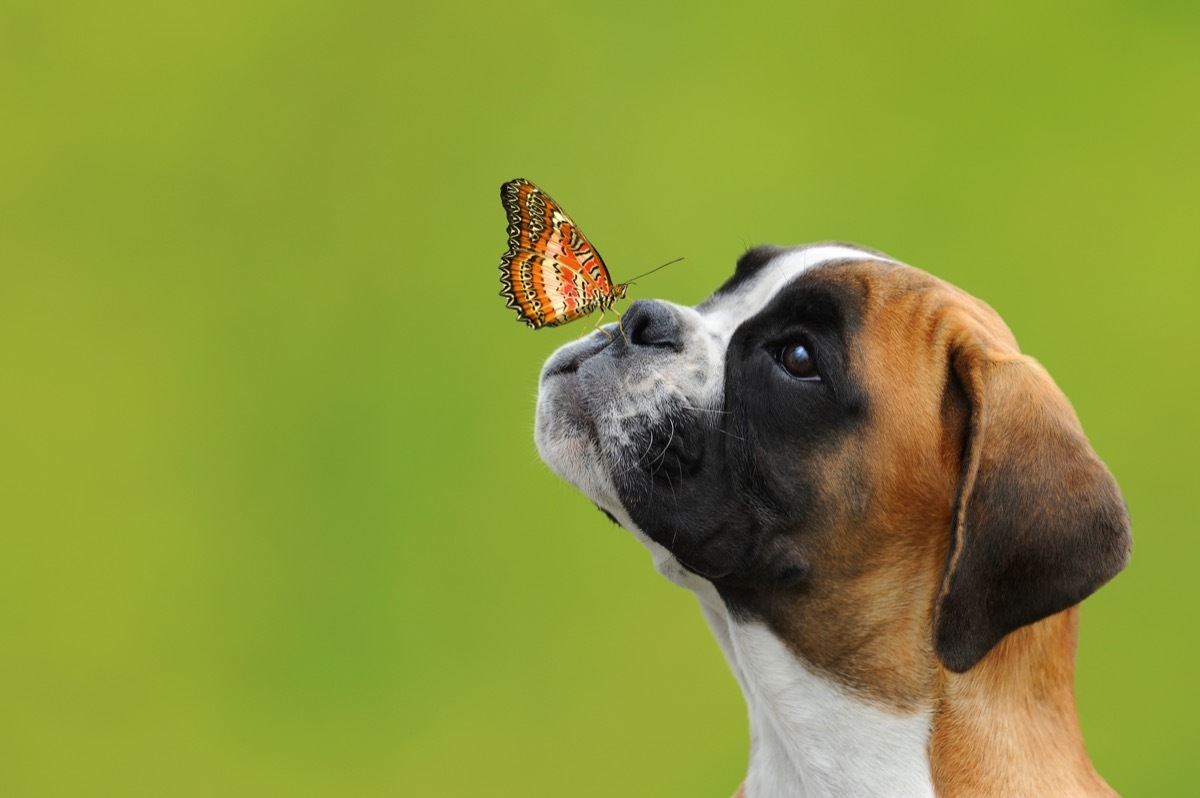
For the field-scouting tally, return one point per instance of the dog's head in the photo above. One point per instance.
(844, 448)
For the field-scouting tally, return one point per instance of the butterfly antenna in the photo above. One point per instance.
(652, 271)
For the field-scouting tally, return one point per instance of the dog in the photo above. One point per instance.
(888, 513)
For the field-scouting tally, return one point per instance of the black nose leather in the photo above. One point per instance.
(652, 324)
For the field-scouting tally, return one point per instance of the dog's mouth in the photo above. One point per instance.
(568, 359)
(610, 516)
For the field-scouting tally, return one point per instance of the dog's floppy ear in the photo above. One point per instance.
(1039, 523)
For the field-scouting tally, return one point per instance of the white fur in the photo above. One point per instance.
(729, 312)
(809, 737)
(817, 740)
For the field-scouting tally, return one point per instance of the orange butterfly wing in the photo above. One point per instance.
(551, 274)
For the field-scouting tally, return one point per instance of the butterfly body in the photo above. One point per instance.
(551, 273)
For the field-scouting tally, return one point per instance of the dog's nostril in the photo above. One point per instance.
(650, 323)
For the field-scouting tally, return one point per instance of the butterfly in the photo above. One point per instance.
(551, 273)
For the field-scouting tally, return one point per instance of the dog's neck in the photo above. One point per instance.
(1009, 726)
(808, 736)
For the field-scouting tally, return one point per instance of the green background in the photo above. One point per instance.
(272, 521)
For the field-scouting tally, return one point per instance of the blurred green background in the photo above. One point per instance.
(272, 518)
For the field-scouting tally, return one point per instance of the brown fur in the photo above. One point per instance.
(1008, 726)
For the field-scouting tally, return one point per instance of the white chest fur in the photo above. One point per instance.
(809, 737)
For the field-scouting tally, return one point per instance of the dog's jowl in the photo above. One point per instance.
(888, 513)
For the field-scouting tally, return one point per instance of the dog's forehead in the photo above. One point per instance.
(765, 271)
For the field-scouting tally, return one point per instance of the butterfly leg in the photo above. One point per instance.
(621, 326)
(597, 326)
(589, 330)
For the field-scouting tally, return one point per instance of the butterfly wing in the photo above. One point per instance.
(551, 274)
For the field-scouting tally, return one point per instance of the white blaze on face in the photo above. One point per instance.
(729, 312)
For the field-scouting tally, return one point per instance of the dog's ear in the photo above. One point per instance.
(1039, 523)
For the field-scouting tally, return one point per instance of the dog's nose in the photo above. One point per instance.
(652, 323)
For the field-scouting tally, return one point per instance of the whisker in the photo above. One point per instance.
(662, 457)
(649, 446)
(713, 410)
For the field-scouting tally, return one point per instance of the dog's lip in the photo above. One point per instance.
(568, 359)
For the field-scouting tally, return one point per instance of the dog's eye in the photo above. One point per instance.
(797, 360)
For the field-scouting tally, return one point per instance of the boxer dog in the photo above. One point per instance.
(888, 513)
